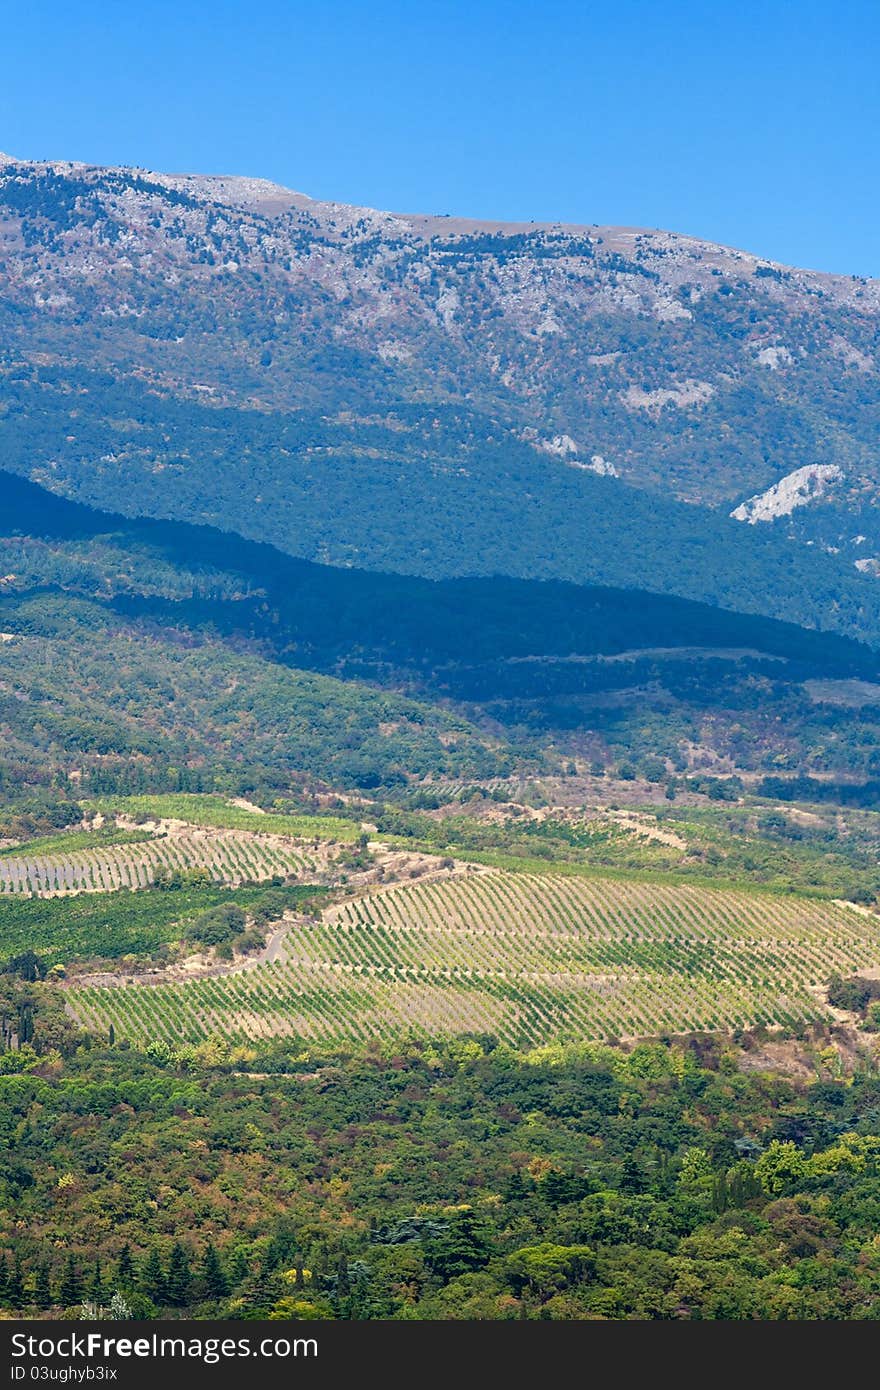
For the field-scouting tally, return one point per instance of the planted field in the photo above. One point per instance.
(63, 841)
(527, 957)
(87, 926)
(224, 815)
(228, 856)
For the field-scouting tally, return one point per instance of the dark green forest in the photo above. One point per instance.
(444, 1182)
(325, 491)
(159, 657)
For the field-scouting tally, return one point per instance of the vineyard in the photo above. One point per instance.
(526, 957)
(227, 856)
(110, 925)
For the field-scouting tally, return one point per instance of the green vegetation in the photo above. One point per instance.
(98, 926)
(214, 810)
(166, 860)
(830, 854)
(305, 668)
(856, 995)
(442, 1181)
(419, 1104)
(71, 841)
(310, 436)
(115, 701)
(530, 959)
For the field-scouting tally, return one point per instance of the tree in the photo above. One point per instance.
(695, 1174)
(15, 1294)
(42, 1287)
(458, 1246)
(179, 1277)
(547, 1268)
(28, 966)
(214, 1280)
(152, 1281)
(632, 1177)
(96, 1287)
(125, 1268)
(239, 1269)
(71, 1288)
(781, 1166)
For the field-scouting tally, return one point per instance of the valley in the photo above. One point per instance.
(439, 765)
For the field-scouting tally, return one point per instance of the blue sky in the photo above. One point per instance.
(755, 124)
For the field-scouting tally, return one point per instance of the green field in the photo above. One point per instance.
(72, 841)
(528, 958)
(110, 925)
(216, 811)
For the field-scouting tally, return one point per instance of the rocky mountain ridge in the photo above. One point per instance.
(672, 365)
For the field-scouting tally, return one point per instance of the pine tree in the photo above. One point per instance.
(42, 1287)
(125, 1268)
(152, 1280)
(4, 1277)
(515, 1189)
(15, 1294)
(238, 1270)
(179, 1276)
(213, 1276)
(96, 1288)
(70, 1291)
(720, 1193)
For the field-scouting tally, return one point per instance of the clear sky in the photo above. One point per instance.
(755, 124)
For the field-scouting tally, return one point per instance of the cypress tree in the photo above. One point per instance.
(96, 1288)
(720, 1193)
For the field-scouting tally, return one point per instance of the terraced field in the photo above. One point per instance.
(229, 856)
(196, 808)
(528, 957)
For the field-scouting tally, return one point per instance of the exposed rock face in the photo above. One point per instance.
(797, 489)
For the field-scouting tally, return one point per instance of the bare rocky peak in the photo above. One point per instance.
(665, 360)
(674, 256)
(234, 191)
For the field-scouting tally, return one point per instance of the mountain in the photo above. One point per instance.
(150, 656)
(441, 397)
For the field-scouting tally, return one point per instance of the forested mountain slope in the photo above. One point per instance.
(440, 397)
(145, 655)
